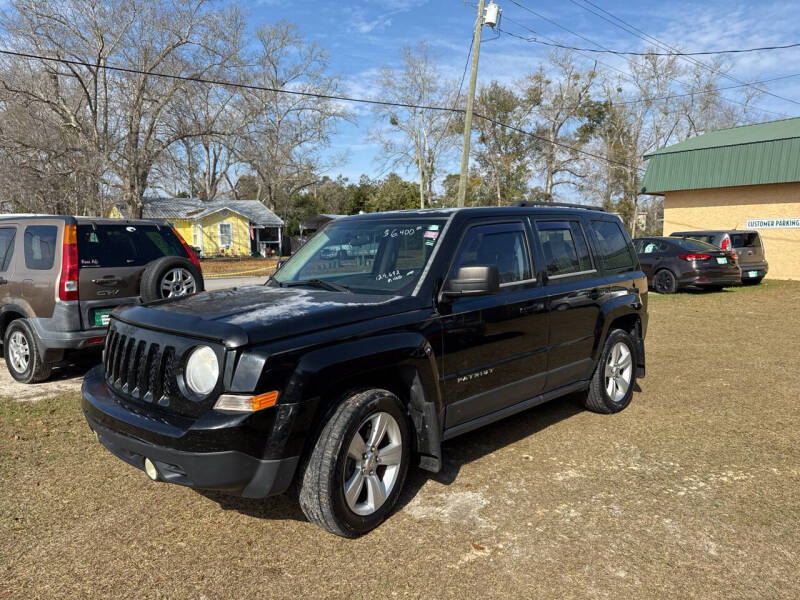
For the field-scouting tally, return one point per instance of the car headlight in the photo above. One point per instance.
(202, 371)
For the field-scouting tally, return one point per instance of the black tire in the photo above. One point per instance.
(151, 286)
(36, 370)
(755, 281)
(597, 398)
(323, 474)
(665, 282)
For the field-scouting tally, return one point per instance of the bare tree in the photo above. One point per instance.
(287, 133)
(415, 137)
(125, 119)
(201, 165)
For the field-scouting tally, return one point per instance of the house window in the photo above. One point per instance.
(225, 235)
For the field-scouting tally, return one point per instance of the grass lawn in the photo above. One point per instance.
(692, 492)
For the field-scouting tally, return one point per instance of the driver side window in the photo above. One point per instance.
(503, 246)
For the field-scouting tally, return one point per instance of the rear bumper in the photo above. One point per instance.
(727, 275)
(760, 270)
(66, 340)
(130, 436)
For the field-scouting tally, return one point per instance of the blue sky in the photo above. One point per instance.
(363, 36)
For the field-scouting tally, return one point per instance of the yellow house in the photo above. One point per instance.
(744, 178)
(219, 227)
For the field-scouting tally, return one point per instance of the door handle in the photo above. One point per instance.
(596, 293)
(531, 308)
(107, 281)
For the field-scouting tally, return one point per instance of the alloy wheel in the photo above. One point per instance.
(177, 282)
(618, 371)
(663, 282)
(374, 456)
(19, 352)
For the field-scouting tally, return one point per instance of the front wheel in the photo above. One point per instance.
(356, 470)
(611, 387)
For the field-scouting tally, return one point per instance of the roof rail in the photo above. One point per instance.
(558, 204)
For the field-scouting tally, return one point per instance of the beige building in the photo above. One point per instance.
(740, 178)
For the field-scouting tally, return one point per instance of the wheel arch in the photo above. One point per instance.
(8, 313)
(624, 312)
(402, 363)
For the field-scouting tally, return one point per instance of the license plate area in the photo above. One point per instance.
(722, 261)
(752, 273)
(100, 316)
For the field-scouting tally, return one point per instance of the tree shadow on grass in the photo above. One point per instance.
(456, 452)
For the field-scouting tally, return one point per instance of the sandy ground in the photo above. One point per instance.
(229, 282)
(692, 492)
(66, 378)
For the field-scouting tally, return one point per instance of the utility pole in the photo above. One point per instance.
(492, 14)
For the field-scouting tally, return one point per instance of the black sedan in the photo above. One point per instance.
(674, 263)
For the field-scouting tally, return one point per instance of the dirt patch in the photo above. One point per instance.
(66, 378)
(692, 492)
(233, 267)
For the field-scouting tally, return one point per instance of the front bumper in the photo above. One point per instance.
(125, 434)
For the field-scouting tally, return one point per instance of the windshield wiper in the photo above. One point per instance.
(327, 285)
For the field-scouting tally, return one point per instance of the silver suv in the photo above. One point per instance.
(61, 276)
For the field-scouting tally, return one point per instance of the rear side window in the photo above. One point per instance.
(745, 240)
(564, 247)
(125, 245)
(615, 253)
(501, 245)
(40, 247)
(652, 246)
(7, 235)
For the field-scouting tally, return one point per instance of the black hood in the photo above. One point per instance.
(256, 314)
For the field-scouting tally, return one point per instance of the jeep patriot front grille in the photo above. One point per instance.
(144, 366)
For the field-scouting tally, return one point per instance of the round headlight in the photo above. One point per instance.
(202, 371)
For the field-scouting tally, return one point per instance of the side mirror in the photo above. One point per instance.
(280, 264)
(473, 281)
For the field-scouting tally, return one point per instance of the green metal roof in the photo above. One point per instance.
(747, 155)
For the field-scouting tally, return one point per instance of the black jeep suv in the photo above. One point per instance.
(344, 366)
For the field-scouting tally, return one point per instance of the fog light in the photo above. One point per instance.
(150, 469)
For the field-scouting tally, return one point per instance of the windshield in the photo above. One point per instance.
(381, 256)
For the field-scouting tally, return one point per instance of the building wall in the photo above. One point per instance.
(184, 227)
(730, 208)
(241, 234)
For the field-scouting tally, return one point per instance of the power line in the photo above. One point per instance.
(634, 53)
(461, 84)
(628, 77)
(652, 99)
(627, 27)
(306, 94)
